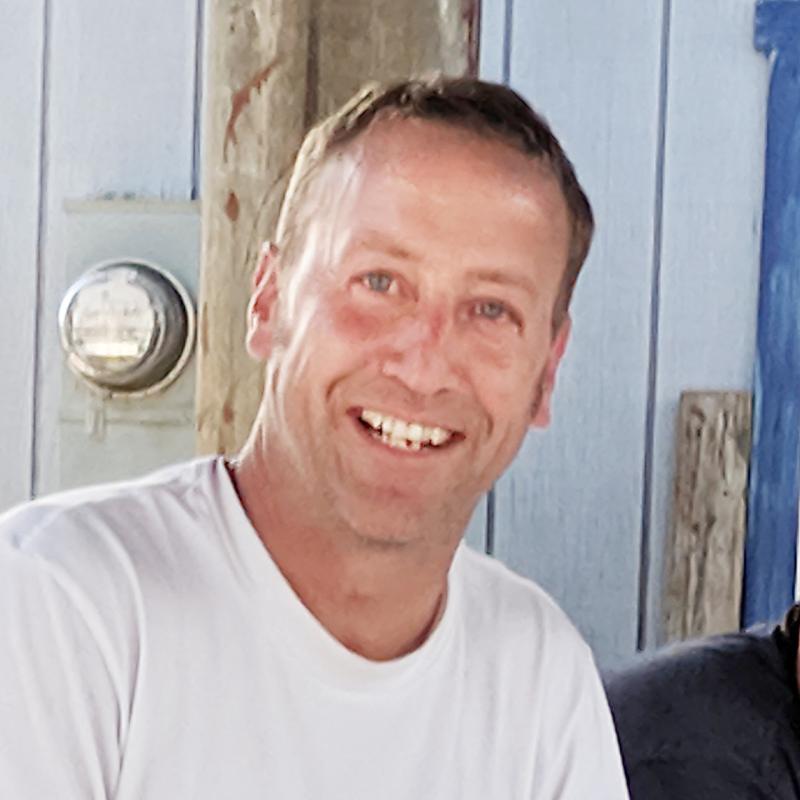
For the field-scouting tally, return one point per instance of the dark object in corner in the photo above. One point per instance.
(714, 719)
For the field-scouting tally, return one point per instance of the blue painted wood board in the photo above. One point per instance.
(771, 545)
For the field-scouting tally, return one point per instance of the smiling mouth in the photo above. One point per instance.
(406, 434)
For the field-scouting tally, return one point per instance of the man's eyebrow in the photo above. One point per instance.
(489, 275)
(373, 240)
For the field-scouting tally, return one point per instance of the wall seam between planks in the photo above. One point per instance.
(655, 304)
(41, 229)
(199, 52)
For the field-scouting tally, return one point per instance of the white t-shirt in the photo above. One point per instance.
(150, 648)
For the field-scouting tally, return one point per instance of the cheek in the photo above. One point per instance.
(497, 357)
(507, 377)
(359, 325)
(506, 362)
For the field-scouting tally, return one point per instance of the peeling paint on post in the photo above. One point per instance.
(255, 62)
(771, 544)
(273, 68)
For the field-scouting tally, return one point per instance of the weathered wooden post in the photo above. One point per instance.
(705, 560)
(273, 68)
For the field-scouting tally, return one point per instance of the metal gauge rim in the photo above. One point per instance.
(91, 376)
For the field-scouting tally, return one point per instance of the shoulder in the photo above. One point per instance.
(504, 606)
(97, 538)
(717, 695)
(537, 670)
(710, 667)
(97, 554)
(87, 515)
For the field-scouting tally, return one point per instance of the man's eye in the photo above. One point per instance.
(378, 282)
(489, 309)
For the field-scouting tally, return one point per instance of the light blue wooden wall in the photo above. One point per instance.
(711, 207)
(97, 100)
(21, 60)
(660, 103)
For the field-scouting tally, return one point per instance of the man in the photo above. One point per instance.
(714, 719)
(303, 622)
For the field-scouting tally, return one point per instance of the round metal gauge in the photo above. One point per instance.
(127, 327)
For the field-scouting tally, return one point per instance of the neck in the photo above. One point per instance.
(379, 600)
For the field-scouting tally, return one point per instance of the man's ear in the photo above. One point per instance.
(547, 382)
(261, 308)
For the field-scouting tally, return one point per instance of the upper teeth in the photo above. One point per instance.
(398, 430)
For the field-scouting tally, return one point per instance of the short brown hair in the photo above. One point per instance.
(487, 109)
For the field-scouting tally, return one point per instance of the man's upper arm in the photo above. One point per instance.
(60, 715)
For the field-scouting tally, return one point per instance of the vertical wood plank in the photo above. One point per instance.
(494, 39)
(21, 70)
(274, 68)
(771, 553)
(706, 548)
(569, 512)
(713, 178)
(120, 121)
(386, 40)
(255, 96)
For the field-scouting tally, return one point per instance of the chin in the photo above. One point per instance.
(395, 523)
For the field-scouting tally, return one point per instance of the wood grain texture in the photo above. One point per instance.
(255, 114)
(771, 553)
(711, 207)
(120, 123)
(274, 67)
(569, 511)
(706, 547)
(21, 68)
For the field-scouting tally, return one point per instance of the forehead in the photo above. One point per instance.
(420, 179)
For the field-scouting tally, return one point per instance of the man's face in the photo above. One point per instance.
(411, 344)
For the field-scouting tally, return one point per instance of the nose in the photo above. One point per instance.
(423, 354)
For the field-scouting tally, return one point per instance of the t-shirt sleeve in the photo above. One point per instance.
(60, 720)
(582, 760)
